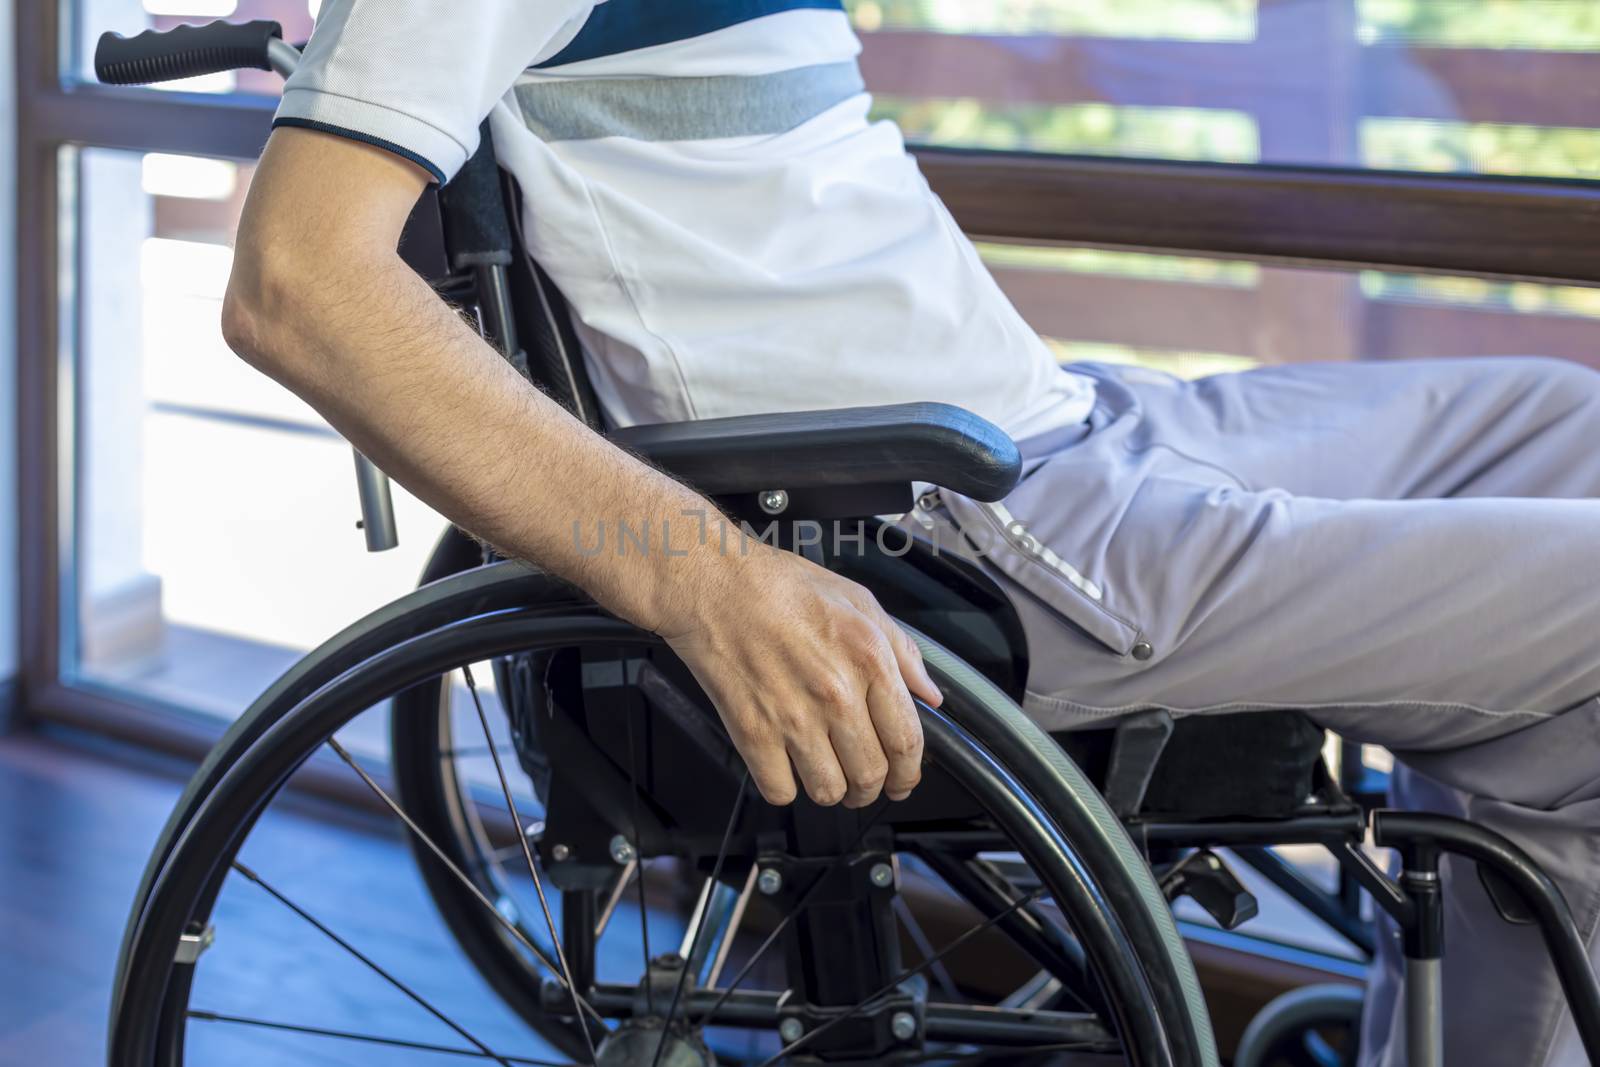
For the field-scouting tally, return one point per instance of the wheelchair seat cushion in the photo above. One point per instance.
(1259, 764)
(888, 444)
(1247, 765)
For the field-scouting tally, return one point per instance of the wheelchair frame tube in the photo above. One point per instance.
(1424, 1013)
(377, 507)
(1412, 832)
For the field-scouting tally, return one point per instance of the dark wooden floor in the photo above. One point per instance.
(77, 818)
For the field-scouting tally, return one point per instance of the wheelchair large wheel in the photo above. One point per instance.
(1023, 797)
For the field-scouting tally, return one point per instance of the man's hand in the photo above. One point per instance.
(806, 669)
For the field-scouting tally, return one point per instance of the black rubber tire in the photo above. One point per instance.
(475, 591)
(284, 727)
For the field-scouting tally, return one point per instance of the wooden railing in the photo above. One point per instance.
(1308, 84)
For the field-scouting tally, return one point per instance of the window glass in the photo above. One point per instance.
(1481, 86)
(215, 537)
(1490, 86)
(1193, 316)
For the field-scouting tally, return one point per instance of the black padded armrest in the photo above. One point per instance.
(936, 443)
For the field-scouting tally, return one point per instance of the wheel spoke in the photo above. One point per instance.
(919, 938)
(418, 998)
(1036, 994)
(964, 1054)
(527, 854)
(735, 920)
(369, 1039)
(460, 875)
(894, 983)
(473, 750)
(986, 886)
(638, 851)
(716, 873)
(624, 880)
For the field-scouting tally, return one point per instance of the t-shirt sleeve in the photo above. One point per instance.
(417, 77)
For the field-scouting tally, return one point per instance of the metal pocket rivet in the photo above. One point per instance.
(1142, 651)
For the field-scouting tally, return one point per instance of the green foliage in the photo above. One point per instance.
(1189, 365)
(1188, 20)
(1530, 298)
(1481, 148)
(1228, 272)
(1567, 25)
(1231, 136)
(1562, 25)
(1091, 128)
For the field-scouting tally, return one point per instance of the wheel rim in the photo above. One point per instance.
(151, 1015)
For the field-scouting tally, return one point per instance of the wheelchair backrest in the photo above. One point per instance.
(544, 325)
(466, 239)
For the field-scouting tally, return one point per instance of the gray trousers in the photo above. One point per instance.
(1407, 552)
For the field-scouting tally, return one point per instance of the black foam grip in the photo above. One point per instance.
(183, 52)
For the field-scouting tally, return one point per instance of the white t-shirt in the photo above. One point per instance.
(701, 181)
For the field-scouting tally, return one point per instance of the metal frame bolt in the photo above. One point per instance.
(560, 853)
(882, 875)
(773, 501)
(903, 1025)
(769, 881)
(622, 850)
(791, 1030)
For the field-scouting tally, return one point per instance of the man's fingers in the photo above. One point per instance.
(856, 745)
(908, 657)
(769, 767)
(900, 735)
(818, 768)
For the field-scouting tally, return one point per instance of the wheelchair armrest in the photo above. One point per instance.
(895, 443)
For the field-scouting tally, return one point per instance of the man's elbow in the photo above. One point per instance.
(258, 312)
(239, 329)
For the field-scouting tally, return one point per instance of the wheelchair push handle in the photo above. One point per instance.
(186, 52)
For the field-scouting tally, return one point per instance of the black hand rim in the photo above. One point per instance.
(241, 789)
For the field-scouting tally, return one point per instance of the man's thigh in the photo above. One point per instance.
(1148, 578)
(1511, 426)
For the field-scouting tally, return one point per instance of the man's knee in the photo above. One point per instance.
(1561, 382)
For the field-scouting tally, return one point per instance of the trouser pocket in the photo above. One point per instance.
(1005, 544)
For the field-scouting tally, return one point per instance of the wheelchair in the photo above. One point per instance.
(1051, 863)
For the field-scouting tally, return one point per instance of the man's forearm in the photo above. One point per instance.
(805, 668)
(401, 375)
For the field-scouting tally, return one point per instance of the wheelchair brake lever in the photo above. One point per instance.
(1204, 878)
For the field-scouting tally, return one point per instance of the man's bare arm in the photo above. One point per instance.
(804, 666)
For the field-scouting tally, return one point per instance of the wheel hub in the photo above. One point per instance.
(633, 1044)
